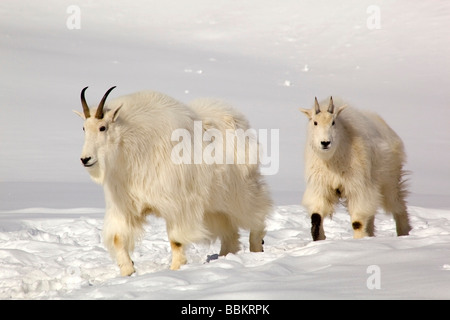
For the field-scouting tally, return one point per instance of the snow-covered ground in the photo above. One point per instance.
(268, 58)
(57, 254)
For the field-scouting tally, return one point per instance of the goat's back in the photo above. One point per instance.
(369, 126)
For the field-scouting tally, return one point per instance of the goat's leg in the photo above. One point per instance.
(402, 223)
(257, 240)
(178, 256)
(363, 226)
(317, 231)
(362, 207)
(229, 243)
(320, 204)
(394, 202)
(116, 238)
(122, 256)
(219, 225)
(362, 215)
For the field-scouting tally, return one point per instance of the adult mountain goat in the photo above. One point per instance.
(128, 149)
(355, 156)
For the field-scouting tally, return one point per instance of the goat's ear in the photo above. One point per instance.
(308, 112)
(116, 113)
(81, 115)
(340, 109)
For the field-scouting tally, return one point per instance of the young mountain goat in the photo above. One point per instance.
(356, 156)
(129, 148)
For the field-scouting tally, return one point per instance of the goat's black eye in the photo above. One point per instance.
(332, 123)
(102, 128)
(83, 128)
(315, 123)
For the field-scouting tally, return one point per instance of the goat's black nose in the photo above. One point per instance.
(325, 143)
(85, 160)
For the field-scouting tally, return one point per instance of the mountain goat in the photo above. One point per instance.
(128, 149)
(355, 156)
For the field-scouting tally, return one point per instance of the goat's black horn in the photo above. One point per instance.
(331, 106)
(316, 106)
(99, 113)
(87, 114)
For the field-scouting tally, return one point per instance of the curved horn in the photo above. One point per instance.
(316, 106)
(331, 106)
(87, 114)
(99, 113)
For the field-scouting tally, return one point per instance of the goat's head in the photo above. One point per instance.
(97, 135)
(323, 127)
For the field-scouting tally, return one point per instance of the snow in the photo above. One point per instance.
(268, 59)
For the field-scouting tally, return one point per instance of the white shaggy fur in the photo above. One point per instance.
(129, 149)
(355, 156)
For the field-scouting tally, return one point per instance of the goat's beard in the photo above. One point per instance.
(325, 154)
(96, 172)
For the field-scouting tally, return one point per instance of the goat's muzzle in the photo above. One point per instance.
(325, 144)
(86, 163)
